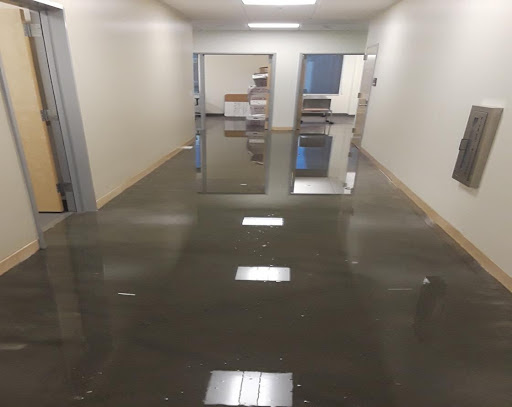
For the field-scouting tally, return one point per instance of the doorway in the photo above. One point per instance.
(235, 108)
(40, 97)
(324, 159)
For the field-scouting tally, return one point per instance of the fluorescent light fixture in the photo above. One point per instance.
(276, 274)
(263, 222)
(279, 2)
(268, 26)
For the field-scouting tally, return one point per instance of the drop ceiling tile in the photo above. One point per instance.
(281, 14)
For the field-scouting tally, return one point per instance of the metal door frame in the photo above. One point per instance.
(298, 111)
(71, 148)
(202, 92)
(299, 95)
(366, 53)
(49, 103)
(21, 154)
(202, 81)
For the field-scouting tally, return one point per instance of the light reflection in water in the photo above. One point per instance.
(236, 388)
(276, 274)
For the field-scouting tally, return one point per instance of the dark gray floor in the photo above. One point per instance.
(49, 220)
(137, 304)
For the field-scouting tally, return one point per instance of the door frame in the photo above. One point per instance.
(366, 53)
(202, 81)
(301, 78)
(202, 92)
(74, 153)
(21, 154)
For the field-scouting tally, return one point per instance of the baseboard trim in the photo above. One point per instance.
(101, 202)
(16, 258)
(487, 264)
(281, 129)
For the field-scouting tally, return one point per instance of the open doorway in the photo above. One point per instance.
(40, 97)
(324, 158)
(235, 104)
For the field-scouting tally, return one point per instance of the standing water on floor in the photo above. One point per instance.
(306, 286)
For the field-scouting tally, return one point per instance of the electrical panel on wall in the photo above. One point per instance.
(476, 145)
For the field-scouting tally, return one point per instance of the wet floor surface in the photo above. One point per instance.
(158, 300)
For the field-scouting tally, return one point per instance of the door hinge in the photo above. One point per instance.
(47, 116)
(365, 58)
(32, 30)
(64, 187)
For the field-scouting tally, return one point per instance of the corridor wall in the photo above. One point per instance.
(434, 63)
(288, 45)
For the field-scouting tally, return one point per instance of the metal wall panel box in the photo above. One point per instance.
(476, 145)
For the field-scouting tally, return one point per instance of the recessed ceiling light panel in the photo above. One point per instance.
(279, 2)
(269, 26)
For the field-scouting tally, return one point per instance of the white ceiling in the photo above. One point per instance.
(325, 15)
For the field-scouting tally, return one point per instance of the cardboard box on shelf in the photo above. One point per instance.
(260, 79)
(236, 105)
(257, 109)
(258, 106)
(257, 92)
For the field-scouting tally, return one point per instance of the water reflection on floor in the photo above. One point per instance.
(233, 161)
(230, 159)
(326, 160)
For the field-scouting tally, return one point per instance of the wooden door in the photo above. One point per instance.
(366, 87)
(26, 100)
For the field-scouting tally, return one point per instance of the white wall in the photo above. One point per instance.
(437, 58)
(288, 45)
(351, 75)
(133, 67)
(17, 228)
(228, 74)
